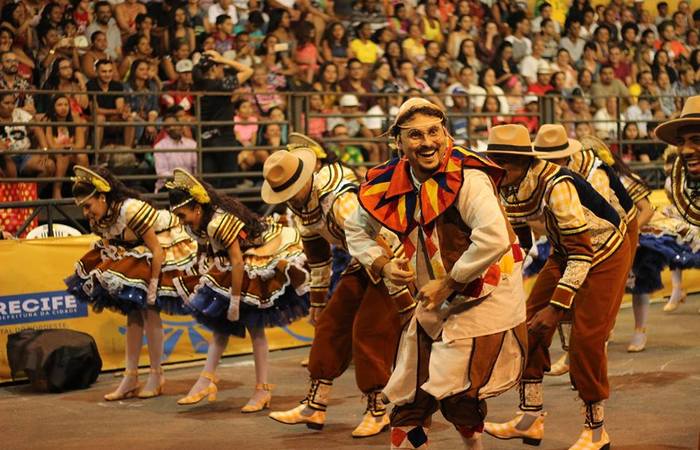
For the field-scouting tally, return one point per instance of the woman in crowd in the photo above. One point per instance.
(327, 83)
(63, 78)
(335, 45)
(130, 270)
(179, 27)
(143, 100)
(278, 63)
(68, 138)
(179, 51)
(251, 276)
(468, 57)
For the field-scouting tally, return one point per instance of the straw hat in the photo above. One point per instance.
(690, 115)
(285, 173)
(511, 139)
(553, 141)
(297, 140)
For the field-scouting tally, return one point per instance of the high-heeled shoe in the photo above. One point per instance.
(157, 391)
(672, 306)
(209, 391)
(639, 341)
(116, 395)
(264, 403)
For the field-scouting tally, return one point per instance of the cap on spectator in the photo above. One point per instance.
(390, 88)
(349, 100)
(183, 66)
(530, 99)
(544, 68)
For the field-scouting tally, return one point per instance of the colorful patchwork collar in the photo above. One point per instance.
(390, 197)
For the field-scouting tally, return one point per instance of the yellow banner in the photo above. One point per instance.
(32, 295)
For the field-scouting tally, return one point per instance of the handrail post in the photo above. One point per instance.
(198, 118)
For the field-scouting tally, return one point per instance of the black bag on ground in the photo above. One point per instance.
(54, 360)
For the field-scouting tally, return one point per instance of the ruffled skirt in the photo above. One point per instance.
(116, 277)
(274, 290)
(664, 242)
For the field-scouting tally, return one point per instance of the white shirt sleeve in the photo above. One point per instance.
(481, 212)
(361, 229)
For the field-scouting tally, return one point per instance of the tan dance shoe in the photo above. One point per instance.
(592, 439)
(375, 419)
(159, 390)
(312, 410)
(531, 434)
(210, 391)
(260, 404)
(560, 367)
(131, 393)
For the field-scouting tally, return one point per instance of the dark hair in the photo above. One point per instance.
(132, 71)
(221, 18)
(131, 44)
(94, 35)
(141, 18)
(172, 111)
(322, 70)
(328, 35)
(542, 6)
(275, 20)
(52, 110)
(629, 26)
(7, 11)
(4, 29)
(118, 193)
(352, 61)
(256, 19)
(102, 3)
(254, 226)
(302, 32)
(102, 62)
(53, 79)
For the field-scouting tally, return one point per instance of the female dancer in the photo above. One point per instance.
(131, 269)
(251, 276)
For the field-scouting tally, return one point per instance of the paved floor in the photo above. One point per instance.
(655, 405)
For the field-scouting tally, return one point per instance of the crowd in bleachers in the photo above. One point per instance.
(614, 69)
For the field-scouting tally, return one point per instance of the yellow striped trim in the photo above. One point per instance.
(144, 219)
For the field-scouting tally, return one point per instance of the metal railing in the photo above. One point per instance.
(298, 116)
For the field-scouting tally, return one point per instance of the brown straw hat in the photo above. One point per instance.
(668, 131)
(511, 139)
(553, 141)
(285, 173)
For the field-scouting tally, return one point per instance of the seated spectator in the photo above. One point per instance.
(503, 64)
(577, 112)
(458, 34)
(466, 81)
(143, 101)
(125, 14)
(573, 41)
(357, 82)
(413, 47)
(489, 43)
(277, 115)
(178, 28)
(277, 61)
(137, 48)
(456, 108)
(280, 27)
(608, 86)
(224, 40)
(607, 118)
(487, 80)
(178, 92)
(563, 64)
(468, 56)
(272, 136)
(590, 59)
(144, 27)
(366, 51)
(72, 139)
(327, 83)
(81, 13)
(51, 18)
(520, 28)
(244, 52)
(356, 127)
(667, 97)
(385, 108)
(439, 75)
(347, 150)
(317, 126)
(106, 24)
(335, 45)
(640, 112)
(15, 140)
(544, 76)
(529, 64)
(168, 65)
(545, 13)
(685, 85)
(382, 76)
(11, 81)
(662, 63)
(628, 152)
(166, 162)
(550, 40)
(514, 94)
(400, 22)
(64, 79)
(110, 108)
(25, 64)
(245, 133)
(430, 23)
(306, 54)
(15, 18)
(264, 96)
(407, 78)
(96, 52)
(667, 41)
(394, 55)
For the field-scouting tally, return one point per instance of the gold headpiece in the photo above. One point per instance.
(297, 140)
(183, 180)
(600, 148)
(85, 175)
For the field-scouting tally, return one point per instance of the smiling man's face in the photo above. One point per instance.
(424, 142)
(689, 150)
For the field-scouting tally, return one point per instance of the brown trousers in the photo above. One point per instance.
(464, 409)
(360, 323)
(595, 306)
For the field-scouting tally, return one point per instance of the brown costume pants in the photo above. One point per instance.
(360, 323)
(464, 409)
(594, 310)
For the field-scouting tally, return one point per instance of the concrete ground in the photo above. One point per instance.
(655, 405)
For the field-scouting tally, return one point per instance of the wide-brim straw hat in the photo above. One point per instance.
(297, 140)
(668, 131)
(553, 141)
(285, 173)
(510, 139)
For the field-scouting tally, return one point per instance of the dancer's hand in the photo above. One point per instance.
(234, 308)
(152, 291)
(398, 272)
(433, 294)
(315, 314)
(544, 321)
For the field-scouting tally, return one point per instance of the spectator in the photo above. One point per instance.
(504, 64)
(457, 36)
(25, 64)
(51, 17)
(413, 47)
(551, 39)
(577, 112)
(272, 136)
(466, 81)
(439, 75)
(125, 13)
(585, 86)
(211, 77)
(520, 27)
(180, 52)
(179, 28)
(607, 119)
(588, 24)
(601, 37)
(246, 133)
(143, 101)
(345, 148)
(197, 17)
(11, 81)
(487, 80)
(366, 51)
(468, 56)
(15, 140)
(611, 23)
(607, 86)
(630, 36)
(356, 127)
(178, 93)
(97, 51)
(264, 96)
(277, 115)
(144, 27)
(685, 85)
(646, 23)
(53, 46)
(400, 21)
(590, 60)
(306, 55)
(667, 98)
(14, 17)
(628, 152)
(622, 70)
(106, 24)
(385, 108)
(138, 48)
(640, 113)
(514, 94)
(167, 161)
(544, 76)
(545, 13)
(69, 138)
(529, 64)
(357, 82)
(327, 83)
(317, 126)
(81, 13)
(382, 76)
(489, 43)
(277, 61)
(64, 79)
(430, 23)
(662, 63)
(394, 55)
(335, 45)
(667, 41)
(224, 39)
(280, 27)
(110, 108)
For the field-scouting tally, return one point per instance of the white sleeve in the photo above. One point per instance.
(361, 230)
(481, 212)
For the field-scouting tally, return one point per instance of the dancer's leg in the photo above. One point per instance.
(134, 337)
(640, 306)
(260, 354)
(217, 345)
(154, 336)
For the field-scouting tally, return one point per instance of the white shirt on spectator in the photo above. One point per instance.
(521, 47)
(574, 49)
(606, 125)
(216, 10)
(377, 123)
(114, 37)
(635, 114)
(528, 68)
(536, 25)
(166, 162)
